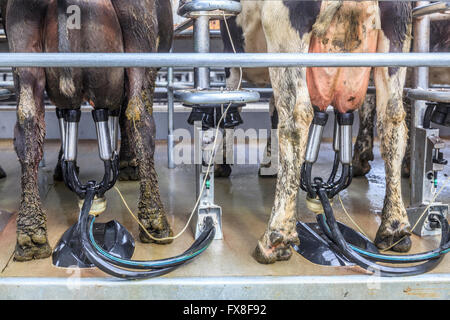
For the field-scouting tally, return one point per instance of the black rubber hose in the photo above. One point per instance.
(308, 173)
(101, 263)
(344, 248)
(205, 239)
(335, 169)
(410, 258)
(105, 184)
(343, 181)
(75, 182)
(111, 266)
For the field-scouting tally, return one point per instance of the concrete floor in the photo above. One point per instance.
(245, 198)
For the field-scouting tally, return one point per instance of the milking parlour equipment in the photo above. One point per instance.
(211, 108)
(329, 242)
(108, 246)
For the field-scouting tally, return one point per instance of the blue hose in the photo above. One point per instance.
(131, 263)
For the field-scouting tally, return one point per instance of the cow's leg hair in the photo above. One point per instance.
(29, 132)
(363, 150)
(295, 115)
(393, 134)
(128, 161)
(142, 37)
(32, 239)
(142, 133)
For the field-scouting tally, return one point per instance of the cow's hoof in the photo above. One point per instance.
(361, 168)
(128, 173)
(158, 227)
(2, 173)
(222, 171)
(273, 248)
(386, 239)
(32, 247)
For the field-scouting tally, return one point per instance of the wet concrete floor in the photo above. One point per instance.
(246, 200)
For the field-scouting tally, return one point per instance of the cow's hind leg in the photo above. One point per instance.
(392, 129)
(32, 239)
(142, 134)
(295, 115)
(139, 27)
(363, 151)
(29, 139)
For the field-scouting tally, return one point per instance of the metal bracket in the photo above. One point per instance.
(426, 141)
(213, 211)
(207, 207)
(214, 8)
(424, 226)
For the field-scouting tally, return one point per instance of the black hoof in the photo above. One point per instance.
(222, 171)
(387, 242)
(360, 169)
(128, 173)
(404, 245)
(2, 173)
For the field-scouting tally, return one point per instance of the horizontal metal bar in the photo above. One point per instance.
(194, 97)
(430, 9)
(227, 60)
(439, 16)
(429, 95)
(183, 26)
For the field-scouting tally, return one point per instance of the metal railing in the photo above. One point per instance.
(224, 60)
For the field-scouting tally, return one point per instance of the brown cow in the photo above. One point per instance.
(106, 26)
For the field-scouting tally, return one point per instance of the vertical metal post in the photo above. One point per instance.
(202, 82)
(171, 110)
(421, 77)
(201, 45)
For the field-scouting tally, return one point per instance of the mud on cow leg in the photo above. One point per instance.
(140, 124)
(364, 142)
(295, 115)
(127, 157)
(32, 242)
(142, 137)
(393, 133)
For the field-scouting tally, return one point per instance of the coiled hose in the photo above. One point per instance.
(135, 270)
(367, 260)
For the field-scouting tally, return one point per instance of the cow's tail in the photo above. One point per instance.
(66, 83)
(326, 17)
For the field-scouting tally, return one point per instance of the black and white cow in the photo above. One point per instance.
(326, 26)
